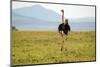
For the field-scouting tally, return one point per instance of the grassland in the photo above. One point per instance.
(44, 47)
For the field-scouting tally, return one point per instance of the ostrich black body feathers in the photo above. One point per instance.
(64, 27)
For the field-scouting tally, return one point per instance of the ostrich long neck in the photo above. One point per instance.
(63, 17)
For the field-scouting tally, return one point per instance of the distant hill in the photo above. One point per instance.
(39, 18)
(29, 23)
(38, 11)
(82, 24)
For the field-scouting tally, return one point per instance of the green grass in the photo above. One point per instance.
(44, 47)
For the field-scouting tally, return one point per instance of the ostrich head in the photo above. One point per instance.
(62, 10)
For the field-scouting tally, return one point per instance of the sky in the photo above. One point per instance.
(71, 11)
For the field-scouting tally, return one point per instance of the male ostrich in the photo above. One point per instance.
(63, 28)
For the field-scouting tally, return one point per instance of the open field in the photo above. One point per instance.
(44, 47)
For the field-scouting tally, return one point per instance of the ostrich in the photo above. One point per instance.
(63, 28)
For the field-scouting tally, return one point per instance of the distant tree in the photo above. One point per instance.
(14, 28)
